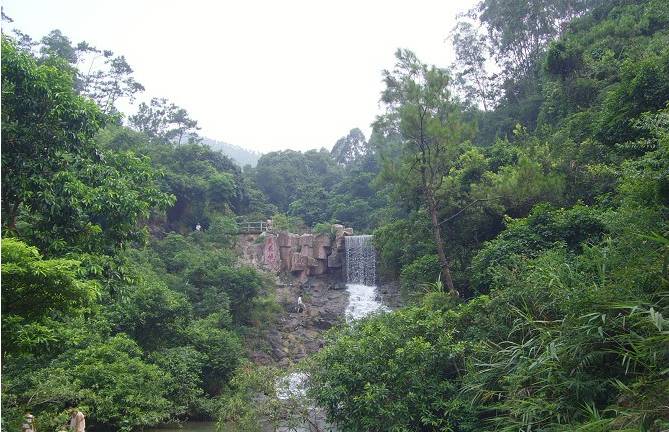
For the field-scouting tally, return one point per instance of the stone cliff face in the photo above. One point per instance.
(307, 266)
(301, 255)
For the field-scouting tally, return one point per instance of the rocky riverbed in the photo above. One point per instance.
(298, 334)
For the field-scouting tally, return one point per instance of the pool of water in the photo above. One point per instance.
(193, 426)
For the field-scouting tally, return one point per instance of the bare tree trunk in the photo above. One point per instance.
(436, 230)
(13, 213)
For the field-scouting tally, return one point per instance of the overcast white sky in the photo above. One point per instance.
(265, 75)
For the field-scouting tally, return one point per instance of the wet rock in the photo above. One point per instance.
(337, 286)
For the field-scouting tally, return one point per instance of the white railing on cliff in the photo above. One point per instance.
(253, 227)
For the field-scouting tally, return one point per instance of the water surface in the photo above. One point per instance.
(192, 426)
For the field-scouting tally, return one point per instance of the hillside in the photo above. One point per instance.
(238, 154)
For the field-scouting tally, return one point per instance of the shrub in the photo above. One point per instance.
(423, 270)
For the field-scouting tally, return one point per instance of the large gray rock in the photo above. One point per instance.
(338, 229)
(337, 286)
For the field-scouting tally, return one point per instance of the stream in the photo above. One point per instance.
(191, 426)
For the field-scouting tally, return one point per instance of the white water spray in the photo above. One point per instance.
(361, 277)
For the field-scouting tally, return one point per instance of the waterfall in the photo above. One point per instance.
(361, 277)
(360, 270)
(360, 260)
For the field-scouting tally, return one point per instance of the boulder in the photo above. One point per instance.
(337, 286)
(348, 231)
(338, 229)
(303, 276)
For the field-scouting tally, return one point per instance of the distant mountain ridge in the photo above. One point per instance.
(239, 154)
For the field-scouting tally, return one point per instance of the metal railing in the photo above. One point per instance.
(248, 227)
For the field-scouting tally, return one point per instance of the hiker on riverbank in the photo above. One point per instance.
(300, 304)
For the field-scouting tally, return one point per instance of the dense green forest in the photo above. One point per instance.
(112, 301)
(520, 197)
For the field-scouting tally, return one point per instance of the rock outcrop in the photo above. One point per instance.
(296, 334)
(302, 255)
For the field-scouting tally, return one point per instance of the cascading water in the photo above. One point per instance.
(360, 260)
(362, 301)
(361, 277)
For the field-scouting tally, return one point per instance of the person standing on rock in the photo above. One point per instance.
(300, 304)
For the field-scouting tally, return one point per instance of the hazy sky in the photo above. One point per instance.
(265, 75)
